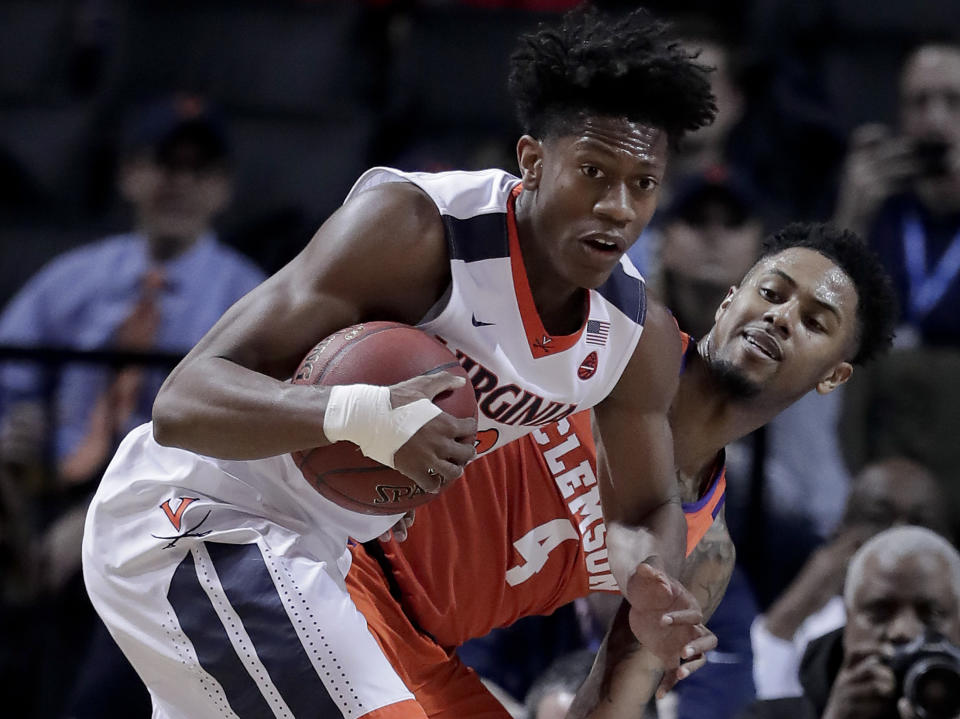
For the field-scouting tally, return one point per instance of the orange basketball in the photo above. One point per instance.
(378, 353)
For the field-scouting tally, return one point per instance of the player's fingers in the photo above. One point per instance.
(431, 479)
(699, 646)
(689, 667)
(457, 452)
(448, 471)
(440, 382)
(439, 473)
(409, 518)
(464, 429)
(682, 616)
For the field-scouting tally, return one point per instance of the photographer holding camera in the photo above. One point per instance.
(898, 655)
(902, 193)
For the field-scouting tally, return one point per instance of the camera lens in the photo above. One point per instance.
(933, 687)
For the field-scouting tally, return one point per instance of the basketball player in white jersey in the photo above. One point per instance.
(219, 571)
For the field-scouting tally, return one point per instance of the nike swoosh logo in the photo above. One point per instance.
(480, 323)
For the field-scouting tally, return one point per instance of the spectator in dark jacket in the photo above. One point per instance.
(901, 585)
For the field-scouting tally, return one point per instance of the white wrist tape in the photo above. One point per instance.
(361, 413)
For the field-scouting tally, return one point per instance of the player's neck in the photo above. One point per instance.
(705, 420)
(559, 302)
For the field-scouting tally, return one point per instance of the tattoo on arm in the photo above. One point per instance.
(706, 572)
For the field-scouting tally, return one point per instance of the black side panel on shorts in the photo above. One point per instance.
(249, 588)
(202, 626)
(246, 581)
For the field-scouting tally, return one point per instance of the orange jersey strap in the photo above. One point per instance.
(701, 514)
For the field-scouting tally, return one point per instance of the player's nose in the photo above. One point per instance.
(779, 317)
(616, 204)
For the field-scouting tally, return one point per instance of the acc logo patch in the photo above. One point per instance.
(588, 367)
(486, 439)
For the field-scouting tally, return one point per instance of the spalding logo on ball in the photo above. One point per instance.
(378, 353)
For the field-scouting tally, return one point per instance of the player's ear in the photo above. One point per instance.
(838, 375)
(530, 160)
(726, 302)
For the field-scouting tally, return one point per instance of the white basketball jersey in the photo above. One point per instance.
(523, 376)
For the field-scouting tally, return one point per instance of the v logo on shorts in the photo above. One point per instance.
(175, 516)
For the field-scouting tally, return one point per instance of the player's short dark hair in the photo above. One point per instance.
(593, 63)
(877, 306)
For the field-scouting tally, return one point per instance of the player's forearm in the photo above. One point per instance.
(217, 408)
(623, 679)
(625, 675)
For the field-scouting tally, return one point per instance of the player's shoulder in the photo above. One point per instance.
(457, 193)
(625, 289)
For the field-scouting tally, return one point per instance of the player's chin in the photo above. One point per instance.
(591, 278)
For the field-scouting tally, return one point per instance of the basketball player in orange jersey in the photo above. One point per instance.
(497, 547)
(214, 565)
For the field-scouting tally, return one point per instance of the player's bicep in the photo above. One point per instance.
(635, 442)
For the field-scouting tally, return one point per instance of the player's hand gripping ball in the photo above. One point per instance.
(375, 353)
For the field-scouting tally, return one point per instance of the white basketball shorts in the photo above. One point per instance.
(222, 582)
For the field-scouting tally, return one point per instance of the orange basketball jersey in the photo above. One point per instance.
(521, 533)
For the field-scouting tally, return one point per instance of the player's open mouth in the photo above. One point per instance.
(764, 342)
(602, 243)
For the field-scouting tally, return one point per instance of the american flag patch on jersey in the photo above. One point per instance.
(597, 332)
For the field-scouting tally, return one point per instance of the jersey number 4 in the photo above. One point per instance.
(535, 546)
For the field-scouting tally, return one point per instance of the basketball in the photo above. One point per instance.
(378, 353)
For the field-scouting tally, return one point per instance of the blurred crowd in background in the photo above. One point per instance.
(160, 157)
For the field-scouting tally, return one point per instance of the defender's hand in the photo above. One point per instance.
(691, 663)
(664, 616)
(399, 530)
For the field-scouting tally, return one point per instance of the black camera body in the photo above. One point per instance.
(928, 675)
(933, 158)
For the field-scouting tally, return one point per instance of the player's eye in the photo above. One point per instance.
(769, 294)
(815, 325)
(647, 184)
(591, 171)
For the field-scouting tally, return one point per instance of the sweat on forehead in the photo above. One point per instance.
(792, 261)
(618, 134)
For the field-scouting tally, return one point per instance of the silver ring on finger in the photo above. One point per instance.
(434, 474)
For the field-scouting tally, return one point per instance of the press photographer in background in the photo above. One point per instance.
(901, 191)
(898, 655)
